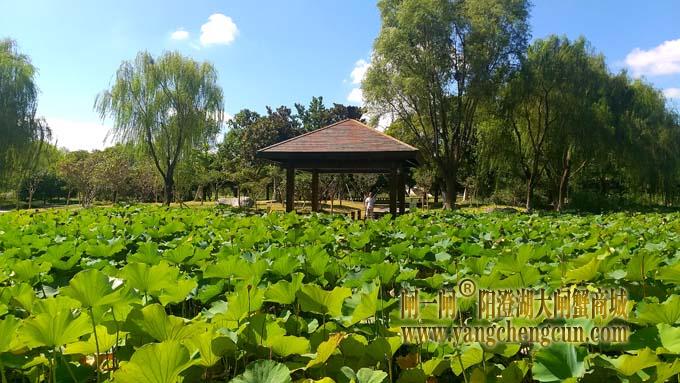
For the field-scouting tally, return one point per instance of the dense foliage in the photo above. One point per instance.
(23, 133)
(435, 63)
(164, 295)
(169, 105)
(18, 99)
(125, 173)
(543, 124)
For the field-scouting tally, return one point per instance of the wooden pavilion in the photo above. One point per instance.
(347, 146)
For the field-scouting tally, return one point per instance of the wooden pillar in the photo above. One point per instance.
(393, 192)
(290, 188)
(315, 190)
(401, 190)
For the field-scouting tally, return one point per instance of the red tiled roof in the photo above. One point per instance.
(346, 136)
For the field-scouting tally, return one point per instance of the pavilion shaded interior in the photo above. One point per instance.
(347, 146)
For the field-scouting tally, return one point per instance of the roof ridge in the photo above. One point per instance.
(304, 134)
(384, 134)
(350, 124)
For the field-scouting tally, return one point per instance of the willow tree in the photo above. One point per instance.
(435, 61)
(22, 134)
(18, 103)
(648, 138)
(170, 105)
(551, 107)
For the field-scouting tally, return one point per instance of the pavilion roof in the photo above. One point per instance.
(345, 136)
(345, 146)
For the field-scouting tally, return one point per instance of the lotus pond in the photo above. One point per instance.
(149, 294)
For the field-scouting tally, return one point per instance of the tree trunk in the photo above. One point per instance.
(603, 185)
(274, 195)
(564, 184)
(68, 196)
(167, 191)
(238, 195)
(30, 198)
(197, 195)
(532, 180)
(450, 195)
(530, 194)
(564, 180)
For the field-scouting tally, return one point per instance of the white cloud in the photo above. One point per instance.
(385, 120)
(223, 130)
(660, 60)
(219, 29)
(672, 92)
(77, 135)
(359, 71)
(356, 95)
(179, 34)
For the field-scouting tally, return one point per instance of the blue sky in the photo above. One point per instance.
(281, 52)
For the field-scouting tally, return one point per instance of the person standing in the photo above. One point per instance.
(369, 204)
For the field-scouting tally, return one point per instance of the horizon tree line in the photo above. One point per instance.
(541, 124)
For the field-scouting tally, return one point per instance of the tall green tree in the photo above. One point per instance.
(20, 130)
(647, 140)
(171, 105)
(82, 171)
(71, 170)
(316, 115)
(435, 62)
(18, 100)
(248, 132)
(38, 171)
(25, 161)
(551, 108)
(114, 170)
